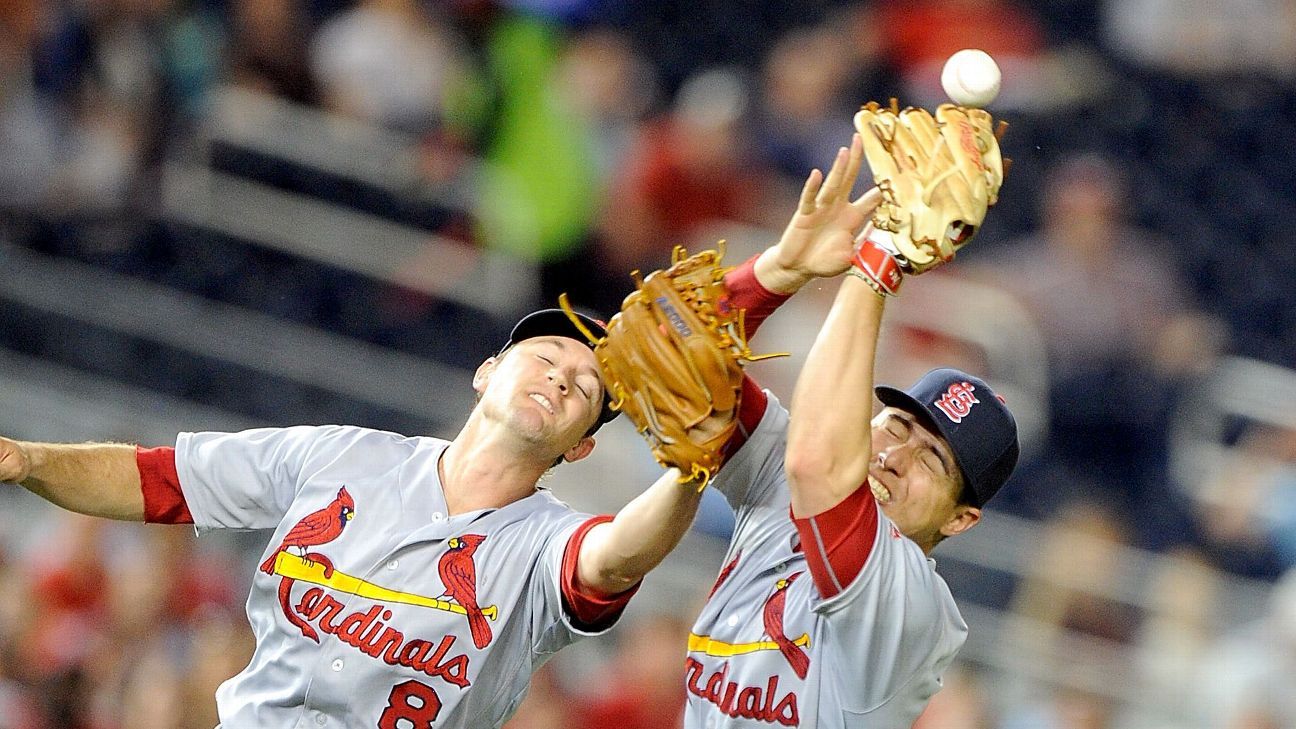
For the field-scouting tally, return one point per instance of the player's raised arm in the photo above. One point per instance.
(829, 445)
(99, 479)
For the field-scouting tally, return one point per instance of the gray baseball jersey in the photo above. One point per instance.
(373, 608)
(769, 650)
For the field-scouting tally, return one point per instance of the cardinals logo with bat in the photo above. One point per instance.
(763, 703)
(296, 561)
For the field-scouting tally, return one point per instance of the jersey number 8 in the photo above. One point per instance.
(415, 703)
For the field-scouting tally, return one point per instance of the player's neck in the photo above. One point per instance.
(485, 473)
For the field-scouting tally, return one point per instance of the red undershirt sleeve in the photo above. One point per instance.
(751, 408)
(745, 292)
(164, 502)
(592, 610)
(837, 543)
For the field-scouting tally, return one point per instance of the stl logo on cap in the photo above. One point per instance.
(957, 401)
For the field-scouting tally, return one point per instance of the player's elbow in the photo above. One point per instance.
(809, 462)
(812, 465)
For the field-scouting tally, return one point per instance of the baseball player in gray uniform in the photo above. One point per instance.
(828, 611)
(414, 582)
(411, 582)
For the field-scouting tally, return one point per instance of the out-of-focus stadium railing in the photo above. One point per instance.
(198, 194)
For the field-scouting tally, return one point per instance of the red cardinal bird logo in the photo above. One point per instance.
(459, 575)
(316, 528)
(773, 617)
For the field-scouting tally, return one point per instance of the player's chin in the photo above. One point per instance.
(531, 424)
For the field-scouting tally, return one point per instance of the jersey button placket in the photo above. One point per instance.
(338, 664)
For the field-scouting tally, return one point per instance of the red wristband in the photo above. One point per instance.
(878, 268)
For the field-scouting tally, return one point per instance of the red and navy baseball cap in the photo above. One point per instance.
(556, 323)
(976, 423)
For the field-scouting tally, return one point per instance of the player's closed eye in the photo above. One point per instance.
(896, 428)
(932, 462)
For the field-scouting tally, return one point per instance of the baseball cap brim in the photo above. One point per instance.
(556, 323)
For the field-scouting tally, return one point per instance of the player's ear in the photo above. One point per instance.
(965, 517)
(580, 450)
(483, 373)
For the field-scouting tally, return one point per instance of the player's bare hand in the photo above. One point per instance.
(15, 466)
(820, 237)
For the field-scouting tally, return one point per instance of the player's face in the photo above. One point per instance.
(548, 388)
(915, 478)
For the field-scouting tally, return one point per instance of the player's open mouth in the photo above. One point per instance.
(880, 492)
(544, 402)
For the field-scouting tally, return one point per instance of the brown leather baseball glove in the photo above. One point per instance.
(938, 175)
(671, 362)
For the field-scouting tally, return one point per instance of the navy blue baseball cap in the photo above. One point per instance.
(976, 423)
(555, 323)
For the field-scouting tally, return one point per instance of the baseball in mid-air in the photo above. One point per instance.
(971, 78)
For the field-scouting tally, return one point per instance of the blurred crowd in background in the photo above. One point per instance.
(1142, 241)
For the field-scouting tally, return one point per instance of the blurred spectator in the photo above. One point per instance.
(806, 112)
(1204, 36)
(18, 707)
(612, 87)
(687, 171)
(153, 697)
(219, 646)
(960, 703)
(1247, 507)
(268, 52)
(1119, 334)
(1252, 667)
(538, 183)
(390, 62)
(126, 627)
(1071, 589)
(102, 79)
(1063, 708)
(644, 686)
(546, 705)
(70, 594)
(27, 134)
(1175, 636)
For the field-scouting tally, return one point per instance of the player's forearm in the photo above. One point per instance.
(99, 479)
(616, 555)
(828, 449)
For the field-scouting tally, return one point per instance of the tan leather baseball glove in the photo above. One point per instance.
(671, 362)
(938, 176)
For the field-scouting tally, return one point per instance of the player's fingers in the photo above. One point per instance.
(809, 191)
(830, 186)
(853, 165)
(869, 201)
